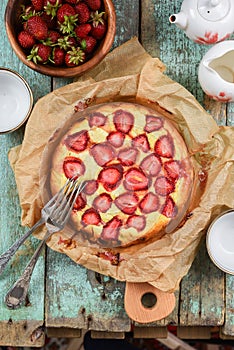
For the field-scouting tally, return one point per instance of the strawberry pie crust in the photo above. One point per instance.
(137, 170)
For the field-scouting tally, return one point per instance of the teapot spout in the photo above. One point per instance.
(180, 19)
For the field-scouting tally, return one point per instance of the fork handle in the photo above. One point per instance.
(5, 257)
(17, 294)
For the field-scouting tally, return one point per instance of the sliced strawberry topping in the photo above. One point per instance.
(91, 186)
(97, 119)
(127, 156)
(151, 165)
(91, 217)
(172, 168)
(135, 180)
(164, 147)
(80, 202)
(103, 202)
(78, 141)
(127, 202)
(102, 153)
(110, 177)
(111, 229)
(73, 167)
(149, 203)
(163, 186)
(141, 141)
(137, 221)
(123, 121)
(153, 123)
(169, 209)
(116, 138)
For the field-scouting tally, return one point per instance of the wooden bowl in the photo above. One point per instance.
(13, 26)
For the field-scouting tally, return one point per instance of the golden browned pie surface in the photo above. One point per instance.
(137, 171)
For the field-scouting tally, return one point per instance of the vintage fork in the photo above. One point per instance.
(56, 220)
(45, 211)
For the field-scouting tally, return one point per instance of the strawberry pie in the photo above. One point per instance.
(137, 171)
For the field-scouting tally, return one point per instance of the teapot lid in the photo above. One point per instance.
(213, 10)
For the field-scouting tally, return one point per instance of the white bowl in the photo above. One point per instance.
(220, 242)
(16, 100)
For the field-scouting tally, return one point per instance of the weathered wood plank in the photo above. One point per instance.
(78, 298)
(202, 293)
(228, 328)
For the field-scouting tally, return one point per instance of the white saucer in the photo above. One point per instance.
(220, 242)
(16, 100)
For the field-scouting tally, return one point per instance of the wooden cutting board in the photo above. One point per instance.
(144, 303)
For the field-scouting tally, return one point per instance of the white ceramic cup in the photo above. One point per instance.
(220, 242)
(16, 100)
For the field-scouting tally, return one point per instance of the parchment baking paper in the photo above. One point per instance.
(129, 73)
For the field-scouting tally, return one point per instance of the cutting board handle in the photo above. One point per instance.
(139, 310)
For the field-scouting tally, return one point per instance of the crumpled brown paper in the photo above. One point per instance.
(129, 73)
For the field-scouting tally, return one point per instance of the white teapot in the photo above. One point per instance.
(216, 72)
(206, 21)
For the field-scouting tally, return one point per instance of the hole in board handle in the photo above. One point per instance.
(148, 300)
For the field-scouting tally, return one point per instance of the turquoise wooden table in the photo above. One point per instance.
(65, 298)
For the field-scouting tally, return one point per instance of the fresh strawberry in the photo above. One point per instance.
(99, 30)
(65, 11)
(163, 186)
(67, 42)
(58, 56)
(74, 57)
(37, 27)
(49, 20)
(27, 12)
(88, 44)
(26, 40)
(73, 166)
(97, 18)
(51, 7)
(94, 4)
(169, 209)
(40, 53)
(82, 30)
(164, 147)
(83, 12)
(38, 4)
(52, 38)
